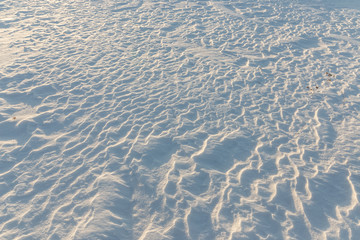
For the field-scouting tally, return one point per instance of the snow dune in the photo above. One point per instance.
(179, 119)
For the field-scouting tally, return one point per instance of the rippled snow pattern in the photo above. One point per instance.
(179, 119)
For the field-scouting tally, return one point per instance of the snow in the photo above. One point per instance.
(152, 119)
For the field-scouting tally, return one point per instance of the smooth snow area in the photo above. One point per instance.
(147, 119)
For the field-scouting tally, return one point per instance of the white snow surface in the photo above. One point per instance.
(149, 119)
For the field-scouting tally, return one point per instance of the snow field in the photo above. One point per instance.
(179, 119)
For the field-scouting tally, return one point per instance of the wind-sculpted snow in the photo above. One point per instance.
(179, 119)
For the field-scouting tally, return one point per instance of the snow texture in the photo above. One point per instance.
(149, 119)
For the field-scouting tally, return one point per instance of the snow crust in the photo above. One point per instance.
(177, 119)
